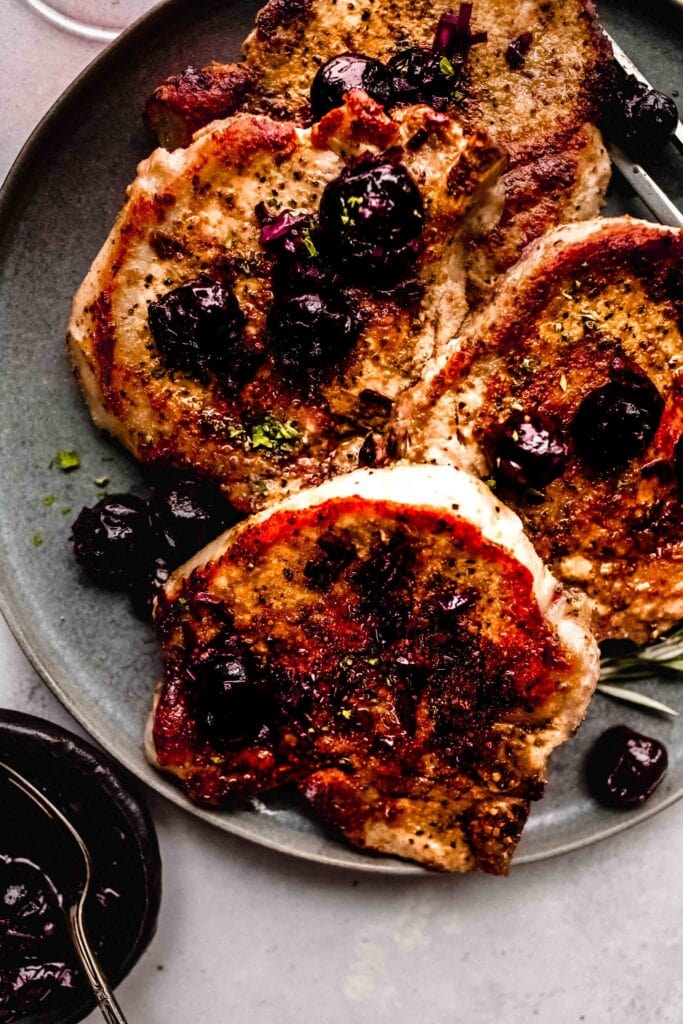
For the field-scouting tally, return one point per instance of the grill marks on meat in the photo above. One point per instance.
(423, 734)
(195, 213)
(543, 113)
(592, 307)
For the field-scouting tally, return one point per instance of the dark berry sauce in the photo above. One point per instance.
(624, 767)
(529, 450)
(232, 699)
(640, 118)
(128, 543)
(198, 327)
(373, 215)
(517, 50)
(111, 539)
(312, 330)
(187, 514)
(422, 76)
(616, 422)
(41, 978)
(343, 73)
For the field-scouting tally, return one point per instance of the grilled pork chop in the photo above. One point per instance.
(537, 85)
(390, 642)
(568, 393)
(267, 292)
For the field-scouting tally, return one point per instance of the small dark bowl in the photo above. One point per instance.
(105, 805)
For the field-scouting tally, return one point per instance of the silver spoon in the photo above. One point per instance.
(74, 912)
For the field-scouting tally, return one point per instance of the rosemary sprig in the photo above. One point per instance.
(660, 660)
(639, 699)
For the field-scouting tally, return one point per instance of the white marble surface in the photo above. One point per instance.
(245, 934)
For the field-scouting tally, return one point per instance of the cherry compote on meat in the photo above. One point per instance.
(288, 234)
(372, 216)
(640, 118)
(529, 450)
(112, 539)
(187, 514)
(199, 327)
(312, 330)
(345, 72)
(422, 76)
(617, 421)
(624, 767)
(337, 551)
(234, 706)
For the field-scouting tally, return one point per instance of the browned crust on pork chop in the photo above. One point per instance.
(415, 662)
(195, 212)
(188, 101)
(589, 302)
(543, 113)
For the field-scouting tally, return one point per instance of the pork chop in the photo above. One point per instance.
(536, 85)
(391, 643)
(267, 292)
(566, 393)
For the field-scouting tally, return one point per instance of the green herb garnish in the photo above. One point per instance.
(446, 68)
(67, 460)
(348, 205)
(638, 699)
(37, 540)
(660, 660)
(309, 244)
(48, 500)
(273, 434)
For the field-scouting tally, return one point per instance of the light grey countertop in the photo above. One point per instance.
(249, 935)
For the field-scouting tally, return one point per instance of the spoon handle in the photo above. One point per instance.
(109, 1008)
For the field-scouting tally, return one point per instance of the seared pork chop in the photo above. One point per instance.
(537, 85)
(390, 642)
(567, 394)
(267, 292)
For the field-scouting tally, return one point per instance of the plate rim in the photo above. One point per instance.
(29, 641)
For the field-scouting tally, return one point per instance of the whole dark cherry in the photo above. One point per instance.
(112, 539)
(372, 216)
(617, 421)
(624, 767)
(199, 327)
(420, 75)
(145, 586)
(529, 449)
(312, 330)
(640, 118)
(233, 707)
(187, 514)
(343, 73)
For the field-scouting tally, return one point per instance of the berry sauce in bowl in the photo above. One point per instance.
(41, 980)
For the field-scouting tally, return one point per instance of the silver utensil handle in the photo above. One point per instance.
(106, 1001)
(657, 201)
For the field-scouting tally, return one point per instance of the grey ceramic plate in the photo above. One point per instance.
(55, 211)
